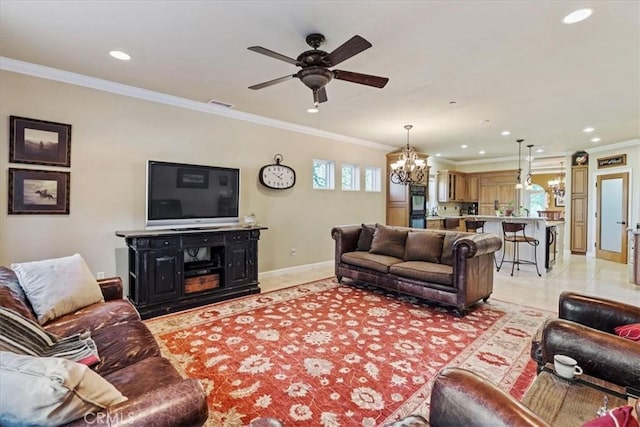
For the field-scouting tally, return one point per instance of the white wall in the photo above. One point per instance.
(114, 135)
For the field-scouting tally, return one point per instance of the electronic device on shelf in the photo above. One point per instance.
(191, 196)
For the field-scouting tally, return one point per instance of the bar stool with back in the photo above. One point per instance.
(510, 234)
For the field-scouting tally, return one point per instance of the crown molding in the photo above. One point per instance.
(616, 146)
(40, 71)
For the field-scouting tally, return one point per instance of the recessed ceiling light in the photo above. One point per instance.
(120, 55)
(505, 133)
(484, 121)
(577, 16)
(464, 146)
(438, 154)
(540, 150)
(481, 152)
(596, 139)
(588, 129)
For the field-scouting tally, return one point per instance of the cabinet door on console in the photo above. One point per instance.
(240, 257)
(165, 274)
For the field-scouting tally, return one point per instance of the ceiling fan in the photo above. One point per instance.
(315, 64)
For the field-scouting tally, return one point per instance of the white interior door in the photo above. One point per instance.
(611, 242)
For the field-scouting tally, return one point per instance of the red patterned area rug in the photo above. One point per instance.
(326, 354)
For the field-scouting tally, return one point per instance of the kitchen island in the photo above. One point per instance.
(549, 233)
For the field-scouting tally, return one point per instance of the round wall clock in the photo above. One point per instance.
(277, 175)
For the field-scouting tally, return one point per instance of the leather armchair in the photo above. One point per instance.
(585, 331)
(463, 398)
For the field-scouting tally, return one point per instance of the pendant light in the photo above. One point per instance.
(519, 177)
(529, 181)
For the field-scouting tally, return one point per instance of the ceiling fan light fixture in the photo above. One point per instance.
(314, 109)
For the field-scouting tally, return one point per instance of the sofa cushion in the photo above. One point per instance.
(388, 241)
(424, 271)
(122, 345)
(447, 247)
(375, 262)
(12, 295)
(93, 317)
(149, 374)
(50, 390)
(365, 238)
(423, 246)
(58, 286)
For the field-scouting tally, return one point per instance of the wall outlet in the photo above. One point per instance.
(293, 251)
(100, 275)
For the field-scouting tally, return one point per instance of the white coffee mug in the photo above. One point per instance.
(566, 367)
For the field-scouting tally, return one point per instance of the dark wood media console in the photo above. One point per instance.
(172, 270)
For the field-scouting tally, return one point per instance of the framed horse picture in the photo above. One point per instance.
(38, 192)
(39, 142)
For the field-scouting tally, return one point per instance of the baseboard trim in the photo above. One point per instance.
(295, 269)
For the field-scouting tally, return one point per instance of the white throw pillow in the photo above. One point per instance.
(46, 391)
(58, 286)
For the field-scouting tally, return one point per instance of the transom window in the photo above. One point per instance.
(323, 174)
(372, 178)
(350, 177)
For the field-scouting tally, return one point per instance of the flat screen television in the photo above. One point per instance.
(191, 196)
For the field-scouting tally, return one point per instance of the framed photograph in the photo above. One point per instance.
(560, 199)
(39, 142)
(42, 192)
(193, 178)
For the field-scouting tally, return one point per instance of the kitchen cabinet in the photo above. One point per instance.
(579, 209)
(473, 187)
(452, 186)
(494, 186)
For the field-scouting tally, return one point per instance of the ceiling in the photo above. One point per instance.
(460, 71)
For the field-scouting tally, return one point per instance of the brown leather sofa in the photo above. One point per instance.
(459, 274)
(584, 330)
(130, 359)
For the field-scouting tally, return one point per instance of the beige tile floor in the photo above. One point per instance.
(571, 273)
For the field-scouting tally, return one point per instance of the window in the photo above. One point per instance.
(323, 174)
(372, 178)
(536, 199)
(350, 177)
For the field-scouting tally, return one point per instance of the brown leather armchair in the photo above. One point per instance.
(463, 398)
(585, 331)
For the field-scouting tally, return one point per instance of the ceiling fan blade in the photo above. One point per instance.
(272, 82)
(363, 79)
(272, 54)
(321, 95)
(351, 47)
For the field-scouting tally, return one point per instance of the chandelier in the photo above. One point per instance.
(408, 169)
(557, 185)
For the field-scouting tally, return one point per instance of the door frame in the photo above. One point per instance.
(621, 257)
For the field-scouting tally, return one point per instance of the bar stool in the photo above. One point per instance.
(451, 223)
(510, 234)
(474, 225)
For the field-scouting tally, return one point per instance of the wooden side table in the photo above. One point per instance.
(571, 402)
